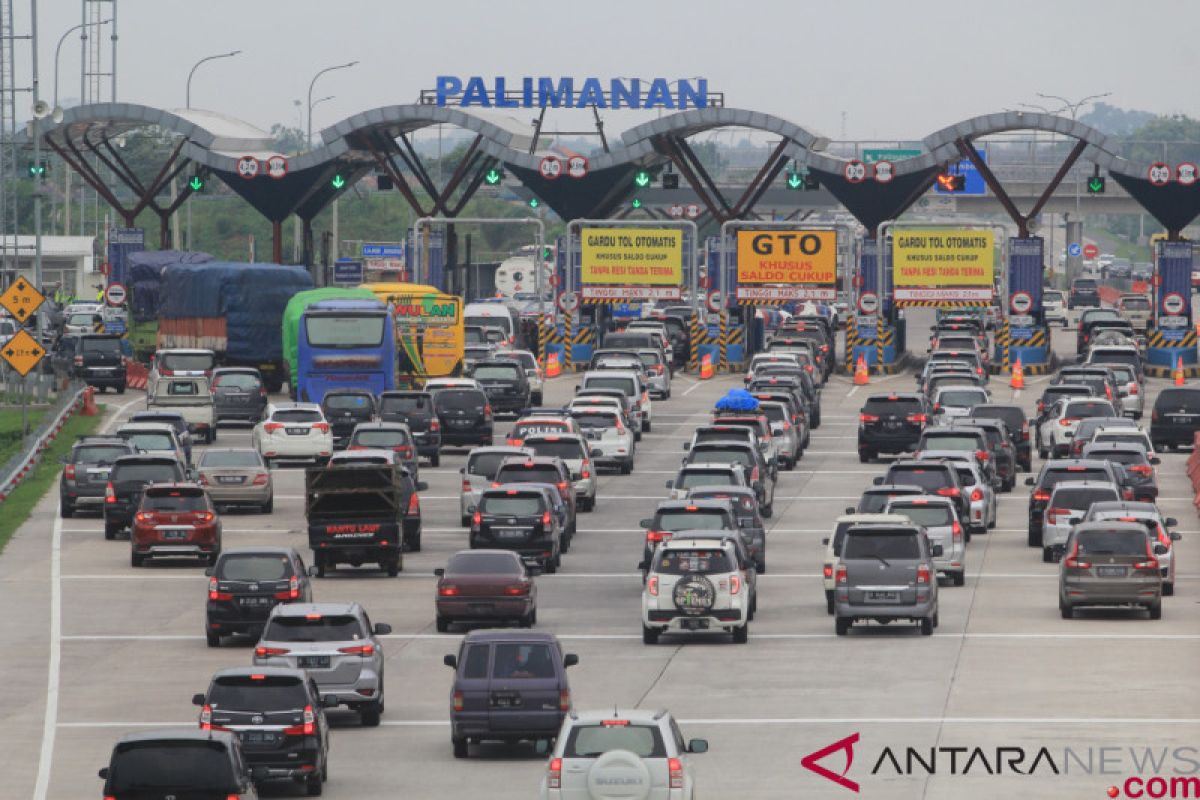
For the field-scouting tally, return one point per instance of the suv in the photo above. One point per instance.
(672, 516)
(505, 384)
(935, 477)
(127, 479)
(607, 433)
(1054, 472)
(750, 524)
(1054, 307)
(631, 385)
(1175, 418)
(891, 423)
(1069, 502)
(1084, 292)
(278, 714)
(1146, 514)
(576, 454)
(1017, 425)
(550, 470)
(607, 755)
(833, 544)
(533, 371)
(691, 476)
(508, 686)
(238, 394)
(1000, 447)
(522, 519)
(246, 583)
(177, 422)
(1088, 319)
(293, 431)
(86, 472)
(157, 763)
(479, 473)
(758, 474)
(416, 410)
(344, 410)
(939, 518)
(465, 416)
(394, 436)
(1063, 418)
(175, 519)
(99, 361)
(1137, 467)
(337, 644)
(1108, 564)
(886, 573)
(698, 585)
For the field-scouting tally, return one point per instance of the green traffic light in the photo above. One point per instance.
(533, 202)
(492, 177)
(794, 181)
(338, 181)
(637, 202)
(1095, 185)
(196, 184)
(642, 178)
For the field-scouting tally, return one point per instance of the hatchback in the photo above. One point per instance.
(484, 586)
(695, 475)
(1109, 564)
(173, 520)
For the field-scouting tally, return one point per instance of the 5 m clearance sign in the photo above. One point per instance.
(798, 256)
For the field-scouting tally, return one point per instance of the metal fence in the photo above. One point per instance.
(35, 444)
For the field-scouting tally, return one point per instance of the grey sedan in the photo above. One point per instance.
(237, 477)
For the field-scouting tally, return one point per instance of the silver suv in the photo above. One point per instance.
(698, 585)
(621, 754)
(337, 644)
(477, 475)
(886, 573)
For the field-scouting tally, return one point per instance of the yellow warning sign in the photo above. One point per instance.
(939, 258)
(21, 299)
(22, 352)
(628, 257)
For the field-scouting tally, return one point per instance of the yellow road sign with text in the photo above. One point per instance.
(781, 256)
(632, 256)
(22, 352)
(938, 258)
(21, 299)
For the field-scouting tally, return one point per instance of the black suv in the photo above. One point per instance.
(521, 519)
(465, 416)
(280, 718)
(684, 515)
(891, 423)
(1175, 418)
(85, 475)
(1017, 425)
(344, 409)
(1089, 319)
(99, 361)
(1084, 292)
(935, 477)
(550, 470)
(1064, 469)
(505, 383)
(246, 583)
(157, 763)
(416, 410)
(130, 475)
(238, 394)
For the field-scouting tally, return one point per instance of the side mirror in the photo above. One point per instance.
(687, 446)
(647, 522)
(422, 486)
(1155, 460)
(1176, 536)
(570, 660)
(1030, 482)
(937, 551)
(197, 699)
(877, 480)
(849, 509)
(597, 453)
(450, 661)
(1170, 522)
(697, 746)
(381, 629)
(312, 572)
(103, 773)
(440, 572)
(1160, 549)
(577, 388)
(462, 470)
(670, 484)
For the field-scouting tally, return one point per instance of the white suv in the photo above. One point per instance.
(621, 754)
(606, 432)
(697, 586)
(293, 431)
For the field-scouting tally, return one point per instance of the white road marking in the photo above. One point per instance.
(117, 416)
(54, 665)
(1158, 637)
(852, 392)
(694, 388)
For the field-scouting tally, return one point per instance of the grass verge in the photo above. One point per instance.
(20, 503)
(10, 429)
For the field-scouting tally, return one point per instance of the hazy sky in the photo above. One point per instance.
(895, 69)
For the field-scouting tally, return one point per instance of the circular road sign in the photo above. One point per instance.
(675, 210)
(868, 302)
(1173, 304)
(568, 301)
(1020, 302)
(1090, 251)
(577, 167)
(692, 210)
(1185, 173)
(715, 300)
(248, 167)
(277, 167)
(550, 167)
(1074, 250)
(855, 171)
(884, 171)
(1159, 174)
(115, 294)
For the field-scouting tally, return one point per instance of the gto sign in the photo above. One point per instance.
(792, 257)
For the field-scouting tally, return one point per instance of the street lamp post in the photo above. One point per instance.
(188, 93)
(308, 141)
(58, 49)
(1074, 109)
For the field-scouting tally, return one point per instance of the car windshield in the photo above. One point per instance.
(717, 455)
(148, 440)
(237, 380)
(593, 741)
(258, 693)
(522, 661)
(591, 419)
(948, 441)
(84, 319)
(314, 628)
(520, 473)
(1052, 297)
(1135, 303)
(1127, 357)
(345, 332)
(961, 399)
(880, 544)
(106, 346)
(98, 454)
(526, 360)
(485, 464)
(296, 415)
(230, 458)
(375, 437)
(182, 389)
(404, 404)
(483, 564)
(183, 362)
(347, 402)
(928, 515)
(1089, 408)
(1055, 476)
(1178, 401)
(919, 476)
(1113, 437)
(701, 519)
(625, 385)
(145, 473)
(496, 372)
(192, 766)
(878, 406)
(460, 399)
(568, 449)
(254, 567)
(692, 478)
(681, 562)
(174, 501)
(966, 476)
(523, 505)
(1111, 543)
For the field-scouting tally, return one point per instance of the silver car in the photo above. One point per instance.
(886, 573)
(337, 644)
(692, 476)
(1069, 503)
(1163, 544)
(236, 477)
(1130, 390)
(957, 401)
(658, 372)
(477, 475)
(939, 517)
(606, 431)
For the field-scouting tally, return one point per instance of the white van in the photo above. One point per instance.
(494, 315)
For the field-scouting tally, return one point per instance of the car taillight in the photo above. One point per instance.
(1141, 469)
(675, 770)
(358, 650)
(1067, 421)
(1133, 389)
(1072, 561)
(652, 586)
(983, 455)
(466, 485)
(564, 700)
(323, 427)
(922, 418)
(260, 479)
(843, 577)
(477, 518)
(562, 486)
(263, 652)
(458, 701)
(754, 474)
(213, 594)
(1041, 406)
(827, 570)
(923, 575)
(868, 418)
(1154, 415)
(553, 772)
(206, 718)
(448, 590)
(487, 411)
(110, 496)
(141, 516)
(271, 427)
(205, 516)
(517, 589)
(735, 584)
(948, 492)
(976, 495)
(620, 428)
(435, 424)
(1052, 514)
(306, 728)
(956, 530)
(69, 472)
(585, 472)
(546, 519)
(414, 505)
(1041, 496)
(203, 479)
(79, 361)
(655, 537)
(292, 592)
(1108, 392)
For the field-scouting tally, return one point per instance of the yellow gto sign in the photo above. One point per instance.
(627, 256)
(808, 257)
(934, 258)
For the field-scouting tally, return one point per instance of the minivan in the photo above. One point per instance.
(208, 764)
(494, 315)
(1176, 417)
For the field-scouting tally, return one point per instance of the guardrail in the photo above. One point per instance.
(1193, 470)
(36, 443)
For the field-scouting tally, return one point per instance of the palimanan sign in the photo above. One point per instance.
(544, 92)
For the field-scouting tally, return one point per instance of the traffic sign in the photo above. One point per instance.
(1090, 251)
(855, 171)
(277, 166)
(21, 299)
(550, 167)
(577, 167)
(568, 301)
(1173, 304)
(1159, 174)
(868, 302)
(248, 167)
(715, 300)
(348, 271)
(115, 294)
(1021, 302)
(972, 179)
(884, 171)
(872, 155)
(22, 352)
(691, 210)
(1074, 250)
(675, 210)
(1185, 173)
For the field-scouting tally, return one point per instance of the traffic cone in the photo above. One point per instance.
(89, 403)
(1018, 375)
(1179, 370)
(706, 367)
(553, 368)
(861, 376)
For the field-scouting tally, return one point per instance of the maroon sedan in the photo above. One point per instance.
(485, 586)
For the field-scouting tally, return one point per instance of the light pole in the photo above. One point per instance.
(58, 49)
(311, 84)
(1074, 108)
(188, 93)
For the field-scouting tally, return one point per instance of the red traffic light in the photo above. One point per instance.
(951, 183)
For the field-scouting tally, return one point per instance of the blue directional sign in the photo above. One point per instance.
(382, 250)
(974, 183)
(348, 271)
(1074, 249)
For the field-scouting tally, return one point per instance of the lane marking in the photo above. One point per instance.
(50, 721)
(116, 417)
(739, 721)
(694, 387)
(566, 574)
(1158, 637)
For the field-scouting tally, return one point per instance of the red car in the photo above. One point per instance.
(485, 586)
(175, 520)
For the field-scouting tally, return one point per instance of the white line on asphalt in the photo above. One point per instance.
(714, 721)
(694, 388)
(117, 416)
(1160, 637)
(852, 392)
(54, 665)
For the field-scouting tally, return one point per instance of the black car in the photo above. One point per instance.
(1000, 447)
(465, 416)
(85, 474)
(522, 519)
(1015, 423)
(549, 470)
(210, 764)
(99, 361)
(129, 476)
(1089, 319)
(683, 515)
(416, 410)
(891, 423)
(1175, 418)
(1064, 469)
(505, 383)
(238, 394)
(279, 715)
(344, 409)
(246, 583)
(758, 473)
(935, 477)
(1084, 292)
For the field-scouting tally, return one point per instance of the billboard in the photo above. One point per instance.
(632, 257)
(943, 258)
(789, 257)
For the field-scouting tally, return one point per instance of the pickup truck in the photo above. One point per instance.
(357, 514)
(190, 397)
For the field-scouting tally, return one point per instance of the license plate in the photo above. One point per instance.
(882, 597)
(254, 602)
(231, 479)
(174, 535)
(593, 435)
(480, 608)
(259, 737)
(505, 701)
(694, 624)
(510, 533)
(313, 662)
(1183, 419)
(297, 431)
(461, 423)
(1112, 572)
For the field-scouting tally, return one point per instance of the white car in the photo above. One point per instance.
(759, 359)
(620, 754)
(833, 546)
(1069, 504)
(435, 384)
(697, 586)
(293, 431)
(957, 401)
(606, 431)
(1054, 306)
(628, 382)
(1130, 390)
(180, 362)
(1062, 420)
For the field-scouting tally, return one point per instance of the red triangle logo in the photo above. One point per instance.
(809, 762)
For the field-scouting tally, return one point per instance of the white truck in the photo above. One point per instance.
(190, 397)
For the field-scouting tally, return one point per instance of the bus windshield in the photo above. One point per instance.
(345, 332)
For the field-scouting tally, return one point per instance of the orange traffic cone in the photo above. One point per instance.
(861, 376)
(89, 403)
(1179, 371)
(553, 368)
(1018, 375)
(706, 367)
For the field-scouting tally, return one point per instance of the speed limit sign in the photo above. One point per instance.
(1173, 304)
(715, 300)
(568, 301)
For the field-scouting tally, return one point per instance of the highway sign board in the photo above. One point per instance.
(568, 301)
(348, 271)
(1020, 321)
(884, 171)
(22, 352)
(115, 294)
(1020, 302)
(855, 171)
(868, 302)
(715, 300)
(21, 299)
(550, 167)
(893, 154)
(1176, 322)
(1090, 251)
(631, 293)
(277, 166)
(248, 167)
(1159, 174)
(373, 250)
(1074, 250)
(973, 183)
(1173, 304)
(1185, 173)
(577, 167)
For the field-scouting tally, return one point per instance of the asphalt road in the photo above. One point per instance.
(92, 648)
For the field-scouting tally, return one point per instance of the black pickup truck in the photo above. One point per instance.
(361, 514)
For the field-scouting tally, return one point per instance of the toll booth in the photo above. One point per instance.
(1171, 338)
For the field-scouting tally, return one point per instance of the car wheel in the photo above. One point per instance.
(212, 638)
(526, 621)
(551, 566)
(1047, 555)
(828, 601)
(111, 531)
(992, 522)
(841, 625)
(768, 511)
(319, 563)
(435, 460)
(650, 635)
(927, 626)
(313, 786)
(269, 506)
(627, 467)
(134, 559)
(442, 624)
(460, 747)
(1043, 452)
(761, 566)
(369, 714)
(1034, 538)
(65, 510)
(958, 578)
(742, 635)
(393, 567)
(1168, 589)
(121, 388)
(1155, 610)
(864, 457)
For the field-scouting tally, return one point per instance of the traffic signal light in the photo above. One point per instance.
(802, 181)
(670, 180)
(338, 182)
(1096, 185)
(636, 202)
(493, 176)
(642, 178)
(533, 202)
(38, 169)
(951, 183)
(196, 184)
(795, 181)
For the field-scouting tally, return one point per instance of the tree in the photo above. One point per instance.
(1115, 121)
(1171, 139)
(288, 141)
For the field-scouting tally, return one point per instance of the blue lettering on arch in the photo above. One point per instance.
(476, 93)
(630, 95)
(698, 95)
(591, 95)
(447, 86)
(554, 96)
(659, 95)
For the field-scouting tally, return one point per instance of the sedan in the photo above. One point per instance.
(237, 477)
(485, 586)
